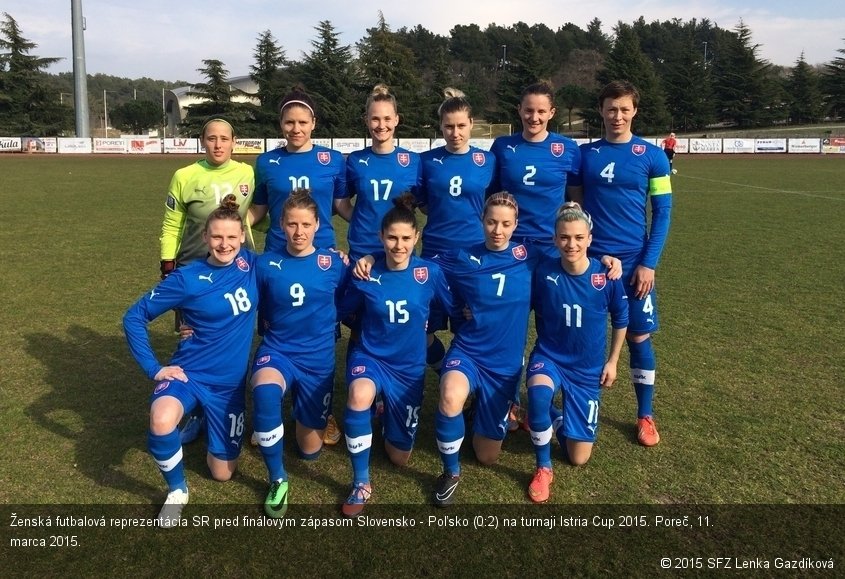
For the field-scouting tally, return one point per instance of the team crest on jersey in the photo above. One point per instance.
(404, 159)
(244, 189)
(421, 274)
(324, 262)
(453, 363)
(242, 264)
(536, 366)
(324, 157)
(519, 252)
(358, 370)
(638, 149)
(479, 159)
(262, 360)
(557, 149)
(599, 280)
(161, 387)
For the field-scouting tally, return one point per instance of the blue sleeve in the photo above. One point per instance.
(165, 296)
(442, 293)
(618, 306)
(260, 195)
(661, 210)
(340, 178)
(350, 302)
(350, 175)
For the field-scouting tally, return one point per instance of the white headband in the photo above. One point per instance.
(297, 102)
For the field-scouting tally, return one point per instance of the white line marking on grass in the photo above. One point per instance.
(787, 191)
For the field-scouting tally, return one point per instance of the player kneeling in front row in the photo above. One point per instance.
(298, 287)
(572, 297)
(217, 297)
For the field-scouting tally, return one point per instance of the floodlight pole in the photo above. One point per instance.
(80, 76)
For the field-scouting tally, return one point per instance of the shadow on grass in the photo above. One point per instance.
(98, 400)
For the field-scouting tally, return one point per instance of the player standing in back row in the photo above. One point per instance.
(535, 167)
(621, 175)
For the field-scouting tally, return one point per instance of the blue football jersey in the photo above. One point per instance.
(218, 302)
(536, 174)
(618, 180)
(298, 303)
(453, 191)
(375, 180)
(393, 308)
(496, 286)
(278, 172)
(570, 313)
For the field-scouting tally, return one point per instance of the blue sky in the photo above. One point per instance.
(169, 39)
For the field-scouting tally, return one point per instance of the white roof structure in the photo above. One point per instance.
(176, 101)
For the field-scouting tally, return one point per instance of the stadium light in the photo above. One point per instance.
(705, 53)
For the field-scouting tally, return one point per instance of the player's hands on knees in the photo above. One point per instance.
(608, 375)
(171, 373)
(613, 265)
(166, 267)
(643, 281)
(363, 267)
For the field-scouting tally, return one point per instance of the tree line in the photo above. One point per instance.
(692, 75)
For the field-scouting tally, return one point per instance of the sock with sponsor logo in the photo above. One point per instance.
(540, 423)
(167, 452)
(359, 440)
(450, 432)
(269, 427)
(643, 366)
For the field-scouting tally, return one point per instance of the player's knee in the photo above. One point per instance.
(163, 422)
(637, 338)
(487, 458)
(579, 459)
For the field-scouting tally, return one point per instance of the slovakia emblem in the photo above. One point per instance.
(519, 252)
(244, 189)
(557, 149)
(479, 159)
(599, 280)
(242, 264)
(453, 363)
(638, 149)
(358, 370)
(536, 366)
(421, 274)
(324, 157)
(262, 360)
(404, 159)
(161, 387)
(324, 262)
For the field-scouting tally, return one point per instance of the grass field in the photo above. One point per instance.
(751, 366)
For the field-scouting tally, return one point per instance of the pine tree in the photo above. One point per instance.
(27, 107)
(268, 74)
(803, 94)
(833, 82)
(216, 100)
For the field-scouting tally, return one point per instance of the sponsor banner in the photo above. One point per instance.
(323, 142)
(138, 145)
(415, 145)
(770, 146)
(442, 143)
(368, 142)
(274, 144)
(248, 146)
(651, 140)
(478, 142)
(582, 141)
(39, 144)
(181, 145)
(804, 146)
(833, 145)
(102, 145)
(10, 144)
(74, 145)
(347, 146)
(681, 146)
(738, 146)
(705, 145)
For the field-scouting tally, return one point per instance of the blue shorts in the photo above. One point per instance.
(642, 313)
(224, 408)
(580, 401)
(402, 396)
(494, 393)
(311, 391)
